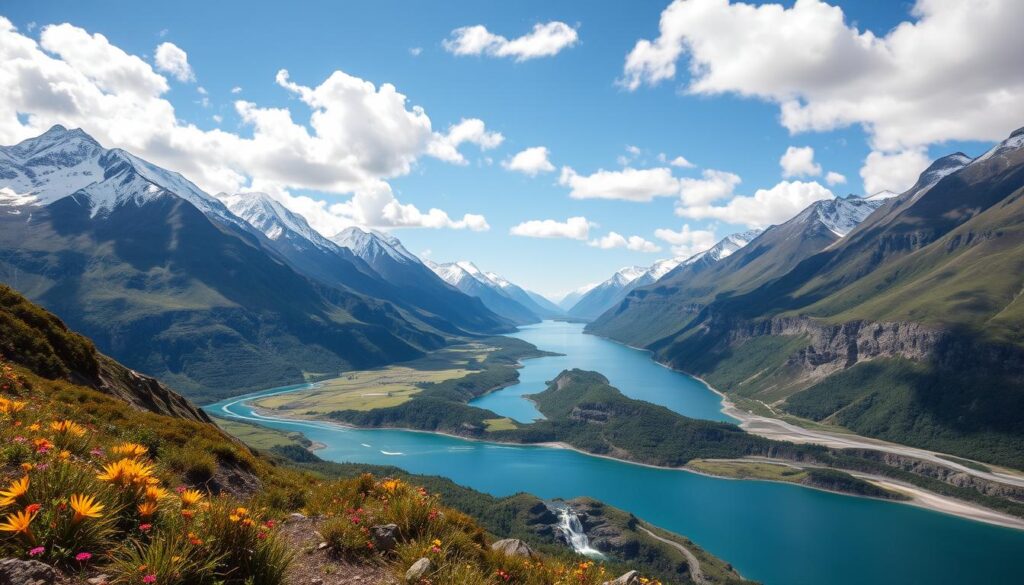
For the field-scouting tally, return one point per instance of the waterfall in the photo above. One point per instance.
(570, 525)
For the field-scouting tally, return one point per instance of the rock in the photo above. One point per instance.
(316, 581)
(385, 537)
(321, 546)
(513, 547)
(418, 570)
(18, 572)
(630, 578)
(98, 580)
(296, 517)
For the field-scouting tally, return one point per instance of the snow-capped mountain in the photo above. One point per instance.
(62, 162)
(725, 247)
(374, 247)
(840, 215)
(496, 292)
(274, 220)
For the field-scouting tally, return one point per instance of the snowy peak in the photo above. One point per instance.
(627, 275)
(1011, 144)
(372, 246)
(271, 218)
(725, 247)
(838, 215)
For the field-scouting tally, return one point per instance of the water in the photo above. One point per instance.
(630, 370)
(778, 534)
(571, 526)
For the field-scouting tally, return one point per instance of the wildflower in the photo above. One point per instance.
(129, 450)
(42, 445)
(26, 467)
(33, 508)
(195, 540)
(67, 427)
(391, 485)
(188, 514)
(83, 557)
(96, 452)
(64, 455)
(191, 497)
(149, 579)
(127, 472)
(145, 527)
(18, 523)
(37, 551)
(16, 490)
(34, 427)
(85, 507)
(154, 493)
(147, 509)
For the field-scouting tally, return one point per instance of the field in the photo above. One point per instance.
(365, 390)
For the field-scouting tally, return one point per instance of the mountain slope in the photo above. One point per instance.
(176, 285)
(469, 279)
(600, 298)
(423, 298)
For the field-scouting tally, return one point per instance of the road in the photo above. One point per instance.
(691, 559)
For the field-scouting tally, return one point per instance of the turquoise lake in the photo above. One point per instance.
(777, 534)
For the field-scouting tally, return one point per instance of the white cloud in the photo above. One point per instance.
(574, 228)
(766, 207)
(893, 172)
(352, 135)
(712, 186)
(416, 51)
(615, 240)
(472, 131)
(799, 162)
(628, 184)
(531, 161)
(217, 118)
(950, 72)
(236, 90)
(171, 59)
(545, 40)
(681, 163)
(687, 242)
(834, 178)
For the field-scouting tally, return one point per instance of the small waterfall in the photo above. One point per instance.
(573, 530)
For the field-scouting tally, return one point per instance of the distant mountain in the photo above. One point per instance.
(424, 297)
(568, 301)
(166, 279)
(498, 294)
(606, 295)
(910, 327)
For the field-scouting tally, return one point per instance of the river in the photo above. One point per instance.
(779, 534)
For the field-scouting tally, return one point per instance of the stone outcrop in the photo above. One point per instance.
(18, 572)
(513, 547)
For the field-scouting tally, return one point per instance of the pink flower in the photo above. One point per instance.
(149, 579)
(145, 527)
(83, 557)
(37, 551)
(20, 439)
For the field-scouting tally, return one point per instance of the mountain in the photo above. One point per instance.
(423, 297)
(650, 313)
(598, 299)
(574, 296)
(168, 281)
(496, 293)
(909, 328)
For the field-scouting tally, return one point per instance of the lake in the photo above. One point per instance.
(778, 534)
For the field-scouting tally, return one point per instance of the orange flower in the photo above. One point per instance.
(129, 450)
(85, 507)
(18, 523)
(191, 497)
(147, 509)
(16, 490)
(67, 427)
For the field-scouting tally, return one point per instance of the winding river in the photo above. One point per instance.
(778, 534)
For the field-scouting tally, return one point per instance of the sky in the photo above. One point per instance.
(552, 143)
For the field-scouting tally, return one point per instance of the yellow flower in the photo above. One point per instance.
(234, 517)
(67, 427)
(85, 507)
(127, 472)
(129, 450)
(17, 489)
(64, 455)
(147, 509)
(436, 542)
(242, 512)
(391, 485)
(18, 522)
(154, 493)
(191, 497)
(34, 427)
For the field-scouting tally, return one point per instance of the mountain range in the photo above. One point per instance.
(906, 324)
(497, 293)
(170, 281)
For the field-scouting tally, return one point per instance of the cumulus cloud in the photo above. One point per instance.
(799, 162)
(834, 178)
(574, 228)
(545, 40)
(352, 137)
(686, 242)
(895, 172)
(712, 185)
(681, 163)
(766, 207)
(825, 73)
(531, 161)
(471, 131)
(172, 60)
(629, 184)
(615, 240)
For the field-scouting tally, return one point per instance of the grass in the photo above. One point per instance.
(967, 463)
(259, 437)
(500, 424)
(384, 387)
(748, 470)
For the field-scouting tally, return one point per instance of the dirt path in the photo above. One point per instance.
(691, 559)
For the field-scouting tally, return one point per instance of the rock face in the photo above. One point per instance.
(630, 578)
(418, 570)
(18, 572)
(513, 547)
(385, 537)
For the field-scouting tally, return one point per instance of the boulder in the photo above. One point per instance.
(18, 572)
(385, 537)
(513, 547)
(418, 570)
(630, 578)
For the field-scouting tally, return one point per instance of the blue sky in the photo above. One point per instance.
(570, 102)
